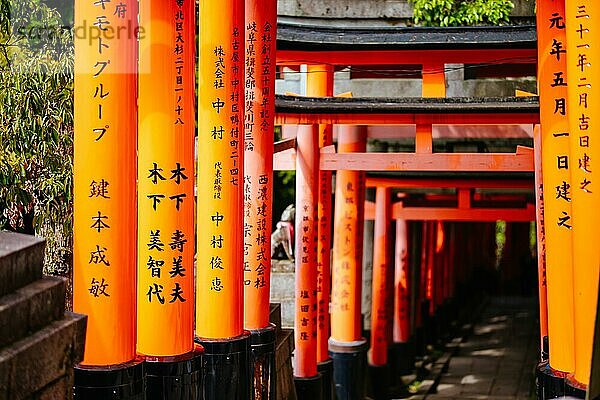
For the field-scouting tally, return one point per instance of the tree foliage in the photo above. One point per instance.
(36, 126)
(461, 12)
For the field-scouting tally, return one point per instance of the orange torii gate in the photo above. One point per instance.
(425, 113)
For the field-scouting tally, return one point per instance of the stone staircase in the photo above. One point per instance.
(39, 342)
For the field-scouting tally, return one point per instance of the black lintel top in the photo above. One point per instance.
(406, 105)
(299, 36)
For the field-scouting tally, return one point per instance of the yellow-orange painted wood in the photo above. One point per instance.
(261, 27)
(165, 323)
(319, 83)
(220, 245)
(307, 175)
(348, 242)
(104, 244)
(380, 318)
(583, 102)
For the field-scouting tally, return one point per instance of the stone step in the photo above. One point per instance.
(30, 308)
(21, 261)
(33, 363)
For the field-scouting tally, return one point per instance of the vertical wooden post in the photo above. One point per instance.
(556, 165)
(346, 345)
(220, 226)
(260, 42)
(378, 352)
(166, 196)
(319, 83)
(104, 250)
(583, 69)
(541, 242)
(307, 379)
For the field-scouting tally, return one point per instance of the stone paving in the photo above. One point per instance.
(498, 359)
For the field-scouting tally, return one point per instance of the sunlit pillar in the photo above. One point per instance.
(347, 347)
(166, 197)
(104, 245)
(557, 191)
(583, 109)
(260, 39)
(220, 223)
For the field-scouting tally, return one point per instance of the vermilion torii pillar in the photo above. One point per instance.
(347, 347)
(380, 315)
(583, 109)
(557, 187)
(307, 380)
(104, 249)
(319, 83)
(166, 198)
(260, 39)
(401, 344)
(220, 225)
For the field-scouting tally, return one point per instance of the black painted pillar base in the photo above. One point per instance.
(401, 359)
(349, 368)
(549, 384)
(574, 388)
(263, 369)
(325, 368)
(380, 382)
(309, 388)
(226, 368)
(112, 382)
(174, 378)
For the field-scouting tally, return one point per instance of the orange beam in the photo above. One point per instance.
(456, 214)
(319, 83)
(307, 195)
(166, 169)
(521, 161)
(220, 219)
(379, 310)
(415, 57)
(105, 218)
(261, 22)
(348, 243)
(450, 183)
(406, 119)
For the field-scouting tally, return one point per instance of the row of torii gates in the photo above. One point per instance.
(167, 326)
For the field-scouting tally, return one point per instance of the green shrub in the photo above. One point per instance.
(461, 12)
(36, 127)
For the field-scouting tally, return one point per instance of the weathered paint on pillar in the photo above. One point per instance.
(219, 288)
(319, 83)
(379, 310)
(583, 102)
(401, 284)
(104, 244)
(166, 178)
(440, 257)
(307, 175)
(552, 77)
(261, 28)
(348, 241)
(431, 237)
(541, 236)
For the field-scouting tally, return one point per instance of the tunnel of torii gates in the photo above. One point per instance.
(180, 309)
